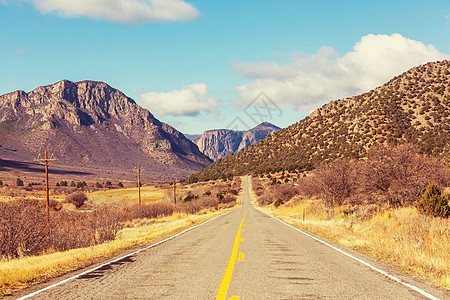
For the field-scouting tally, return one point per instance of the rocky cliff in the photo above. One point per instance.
(217, 144)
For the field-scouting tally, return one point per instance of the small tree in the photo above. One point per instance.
(98, 185)
(120, 184)
(1, 182)
(19, 182)
(108, 184)
(434, 203)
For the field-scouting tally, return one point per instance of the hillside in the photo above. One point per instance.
(219, 143)
(92, 125)
(411, 108)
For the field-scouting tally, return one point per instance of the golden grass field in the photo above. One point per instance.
(414, 243)
(148, 194)
(129, 195)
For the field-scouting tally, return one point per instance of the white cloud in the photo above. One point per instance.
(309, 81)
(123, 11)
(189, 101)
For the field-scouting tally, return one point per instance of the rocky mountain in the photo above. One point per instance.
(413, 107)
(90, 124)
(219, 143)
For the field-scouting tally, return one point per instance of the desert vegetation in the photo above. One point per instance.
(79, 222)
(412, 108)
(392, 205)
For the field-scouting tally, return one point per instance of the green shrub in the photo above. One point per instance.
(278, 202)
(189, 197)
(120, 184)
(434, 203)
(19, 182)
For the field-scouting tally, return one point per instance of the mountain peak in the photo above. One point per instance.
(95, 124)
(266, 125)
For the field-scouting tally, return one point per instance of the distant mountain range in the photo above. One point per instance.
(90, 124)
(219, 143)
(411, 108)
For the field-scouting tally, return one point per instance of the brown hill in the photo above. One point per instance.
(92, 125)
(411, 108)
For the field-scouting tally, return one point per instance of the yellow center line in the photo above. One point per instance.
(227, 278)
(222, 294)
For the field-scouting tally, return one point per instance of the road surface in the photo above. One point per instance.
(244, 254)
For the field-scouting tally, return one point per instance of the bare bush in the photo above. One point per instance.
(257, 186)
(335, 181)
(77, 199)
(23, 229)
(106, 222)
(400, 175)
(284, 192)
(153, 210)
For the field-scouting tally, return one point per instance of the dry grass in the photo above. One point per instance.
(149, 194)
(416, 244)
(20, 273)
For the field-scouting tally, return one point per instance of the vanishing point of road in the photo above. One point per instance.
(244, 254)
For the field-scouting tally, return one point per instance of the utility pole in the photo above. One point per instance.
(45, 161)
(138, 170)
(174, 192)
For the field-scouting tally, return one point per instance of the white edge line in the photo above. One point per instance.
(120, 258)
(412, 287)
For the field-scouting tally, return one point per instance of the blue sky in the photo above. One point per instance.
(199, 65)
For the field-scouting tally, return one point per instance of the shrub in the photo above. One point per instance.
(98, 185)
(19, 182)
(189, 197)
(228, 199)
(120, 184)
(434, 203)
(1, 182)
(233, 192)
(81, 184)
(77, 199)
(278, 202)
(335, 182)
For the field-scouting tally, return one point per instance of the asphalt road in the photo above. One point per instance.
(244, 254)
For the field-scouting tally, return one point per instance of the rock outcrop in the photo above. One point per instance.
(219, 143)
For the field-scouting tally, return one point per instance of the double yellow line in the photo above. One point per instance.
(227, 278)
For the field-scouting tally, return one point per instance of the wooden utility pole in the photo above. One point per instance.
(174, 192)
(138, 170)
(45, 161)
